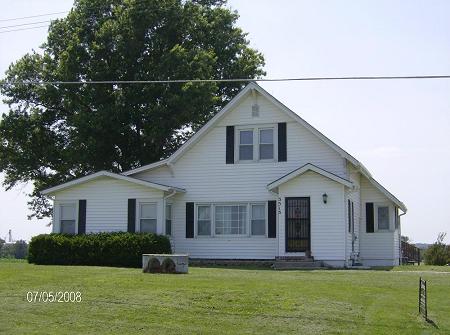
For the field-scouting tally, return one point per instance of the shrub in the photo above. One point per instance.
(438, 253)
(104, 249)
(168, 266)
(153, 265)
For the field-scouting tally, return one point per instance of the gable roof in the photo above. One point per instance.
(99, 174)
(388, 194)
(233, 103)
(305, 168)
(204, 130)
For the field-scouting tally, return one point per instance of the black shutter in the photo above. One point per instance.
(189, 220)
(230, 145)
(82, 217)
(282, 142)
(349, 217)
(272, 218)
(131, 215)
(369, 218)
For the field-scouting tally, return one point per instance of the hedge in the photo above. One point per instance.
(104, 249)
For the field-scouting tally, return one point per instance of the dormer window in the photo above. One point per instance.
(246, 145)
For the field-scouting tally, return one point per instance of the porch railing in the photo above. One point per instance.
(410, 253)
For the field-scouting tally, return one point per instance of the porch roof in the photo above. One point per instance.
(305, 168)
(162, 187)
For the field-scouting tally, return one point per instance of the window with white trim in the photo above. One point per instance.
(147, 217)
(383, 217)
(204, 220)
(230, 219)
(256, 143)
(266, 150)
(169, 219)
(67, 218)
(246, 145)
(258, 220)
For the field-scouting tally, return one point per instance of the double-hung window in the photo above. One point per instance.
(169, 219)
(258, 221)
(266, 144)
(246, 145)
(230, 219)
(147, 217)
(256, 144)
(383, 217)
(204, 220)
(67, 218)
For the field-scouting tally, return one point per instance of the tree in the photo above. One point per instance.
(2, 241)
(405, 239)
(438, 253)
(54, 133)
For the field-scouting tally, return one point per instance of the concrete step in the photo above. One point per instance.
(298, 265)
(294, 259)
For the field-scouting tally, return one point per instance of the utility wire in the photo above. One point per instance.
(25, 24)
(10, 31)
(169, 81)
(32, 16)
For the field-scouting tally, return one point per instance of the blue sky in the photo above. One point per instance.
(399, 129)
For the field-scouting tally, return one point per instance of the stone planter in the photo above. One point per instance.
(181, 261)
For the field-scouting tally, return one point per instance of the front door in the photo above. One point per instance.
(298, 224)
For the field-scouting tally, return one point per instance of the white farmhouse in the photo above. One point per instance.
(256, 182)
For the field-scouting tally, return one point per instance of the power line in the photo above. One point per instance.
(172, 81)
(25, 24)
(32, 16)
(10, 31)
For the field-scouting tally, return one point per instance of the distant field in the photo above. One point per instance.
(222, 301)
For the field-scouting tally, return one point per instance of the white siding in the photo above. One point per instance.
(327, 220)
(203, 173)
(107, 203)
(377, 248)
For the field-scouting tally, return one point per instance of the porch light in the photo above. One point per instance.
(325, 198)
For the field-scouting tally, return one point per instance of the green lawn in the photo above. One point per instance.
(221, 301)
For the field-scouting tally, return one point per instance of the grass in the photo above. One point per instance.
(221, 301)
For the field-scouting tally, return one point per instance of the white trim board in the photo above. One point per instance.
(305, 168)
(99, 174)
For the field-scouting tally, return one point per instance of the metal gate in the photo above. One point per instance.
(298, 224)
